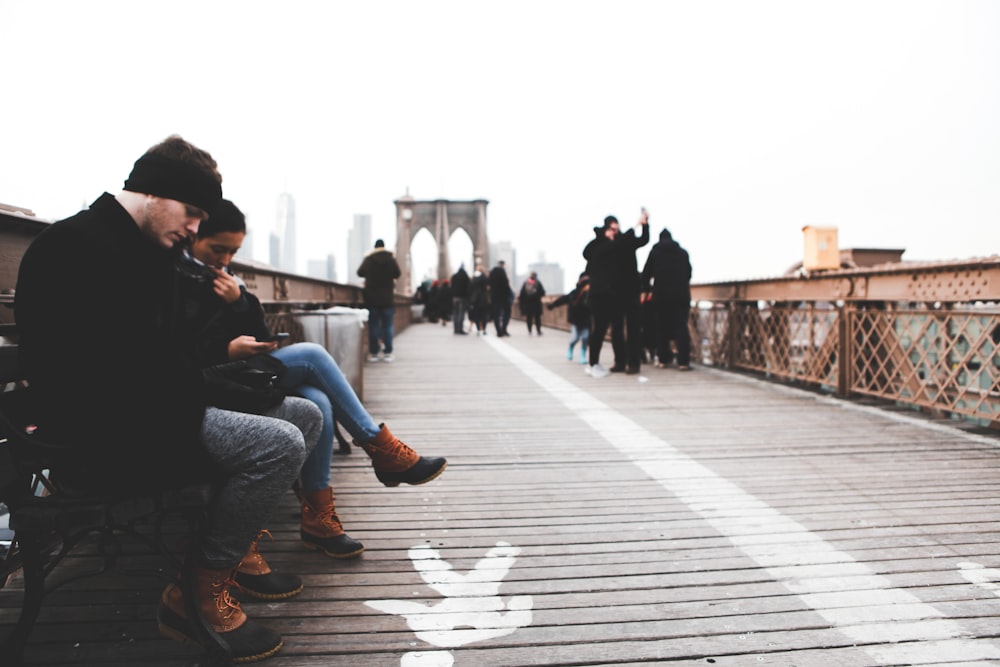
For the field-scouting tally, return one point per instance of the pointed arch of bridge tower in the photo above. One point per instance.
(440, 217)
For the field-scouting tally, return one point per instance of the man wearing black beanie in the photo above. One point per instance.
(99, 345)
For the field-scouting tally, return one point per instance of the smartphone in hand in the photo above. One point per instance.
(274, 337)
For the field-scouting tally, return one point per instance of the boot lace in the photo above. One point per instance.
(331, 520)
(328, 518)
(253, 554)
(224, 603)
(396, 452)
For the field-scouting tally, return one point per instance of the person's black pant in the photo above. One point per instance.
(533, 316)
(497, 313)
(458, 309)
(633, 330)
(672, 324)
(607, 310)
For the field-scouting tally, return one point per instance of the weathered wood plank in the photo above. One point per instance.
(619, 569)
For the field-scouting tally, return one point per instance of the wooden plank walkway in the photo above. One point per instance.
(683, 518)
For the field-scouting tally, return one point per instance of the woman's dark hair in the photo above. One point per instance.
(223, 218)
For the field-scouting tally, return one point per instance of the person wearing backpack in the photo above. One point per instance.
(530, 301)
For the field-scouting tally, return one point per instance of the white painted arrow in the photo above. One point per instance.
(472, 609)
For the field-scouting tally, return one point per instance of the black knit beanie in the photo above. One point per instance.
(168, 178)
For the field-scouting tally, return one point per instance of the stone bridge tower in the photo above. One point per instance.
(441, 218)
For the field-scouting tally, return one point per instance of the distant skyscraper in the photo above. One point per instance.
(504, 250)
(359, 242)
(246, 250)
(550, 274)
(324, 269)
(274, 250)
(284, 230)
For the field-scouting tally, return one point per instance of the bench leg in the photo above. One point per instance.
(30, 546)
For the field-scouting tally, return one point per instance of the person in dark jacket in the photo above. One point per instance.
(432, 301)
(479, 300)
(380, 270)
(443, 301)
(578, 316)
(501, 297)
(99, 345)
(420, 297)
(667, 274)
(530, 300)
(225, 322)
(460, 284)
(614, 294)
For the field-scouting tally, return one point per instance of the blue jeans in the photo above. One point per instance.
(499, 321)
(459, 306)
(581, 334)
(380, 325)
(314, 375)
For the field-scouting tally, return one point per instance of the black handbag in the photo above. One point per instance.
(248, 385)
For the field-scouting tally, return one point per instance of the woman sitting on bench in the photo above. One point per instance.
(226, 323)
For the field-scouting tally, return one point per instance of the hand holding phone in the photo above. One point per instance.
(274, 337)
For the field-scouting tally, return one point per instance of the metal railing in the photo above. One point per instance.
(283, 295)
(922, 335)
(946, 360)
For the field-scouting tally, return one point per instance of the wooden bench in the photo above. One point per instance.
(48, 521)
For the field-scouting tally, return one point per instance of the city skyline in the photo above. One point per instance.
(734, 123)
(284, 246)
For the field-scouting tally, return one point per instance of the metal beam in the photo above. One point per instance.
(967, 281)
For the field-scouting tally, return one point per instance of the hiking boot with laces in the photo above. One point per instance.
(321, 528)
(256, 579)
(396, 463)
(248, 640)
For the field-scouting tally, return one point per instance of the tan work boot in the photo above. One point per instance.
(256, 579)
(321, 528)
(395, 462)
(248, 640)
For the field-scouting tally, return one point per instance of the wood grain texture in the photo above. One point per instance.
(619, 569)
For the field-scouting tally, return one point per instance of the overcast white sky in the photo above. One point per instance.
(736, 123)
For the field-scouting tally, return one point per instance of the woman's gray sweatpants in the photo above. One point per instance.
(259, 457)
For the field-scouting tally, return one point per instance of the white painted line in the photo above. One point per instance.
(849, 595)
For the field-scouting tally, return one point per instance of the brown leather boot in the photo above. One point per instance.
(256, 579)
(395, 462)
(247, 640)
(321, 528)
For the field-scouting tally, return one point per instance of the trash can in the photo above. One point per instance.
(341, 331)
